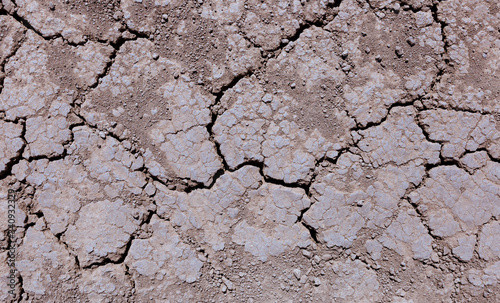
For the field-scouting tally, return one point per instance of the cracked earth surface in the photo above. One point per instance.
(251, 151)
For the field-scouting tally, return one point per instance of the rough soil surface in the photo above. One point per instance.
(251, 151)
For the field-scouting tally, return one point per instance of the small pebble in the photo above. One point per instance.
(399, 51)
(317, 281)
(267, 98)
(411, 41)
(297, 273)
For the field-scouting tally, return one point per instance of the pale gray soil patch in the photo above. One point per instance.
(250, 151)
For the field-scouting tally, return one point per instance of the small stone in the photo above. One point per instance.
(306, 254)
(396, 8)
(156, 56)
(118, 16)
(327, 257)
(411, 41)
(434, 257)
(401, 292)
(228, 283)
(399, 51)
(164, 17)
(292, 85)
(346, 68)
(317, 259)
(297, 273)
(128, 35)
(317, 281)
(267, 98)
(150, 189)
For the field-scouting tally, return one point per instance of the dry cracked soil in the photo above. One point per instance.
(250, 151)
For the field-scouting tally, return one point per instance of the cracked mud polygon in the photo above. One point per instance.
(250, 151)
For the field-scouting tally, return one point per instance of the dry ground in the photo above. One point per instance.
(250, 150)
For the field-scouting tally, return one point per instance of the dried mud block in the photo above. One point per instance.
(105, 283)
(75, 21)
(96, 239)
(389, 58)
(267, 23)
(89, 180)
(457, 204)
(471, 31)
(257, 126)
(45, 137)
(45, 264)
(489, 276)
(462, 132)
(489, 248)
(11, 144)
(157, 263)
(43, 73)
(28, 88)
(12, 34)
(205, 37)
(190, 155)
(354, 195)
(271, 225)
(6, 210)
(397, 140)
(408, 236)
(240, 208)
(167, 115)
(211, 213)
(308, 72)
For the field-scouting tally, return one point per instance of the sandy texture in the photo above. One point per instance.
(250, 151)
